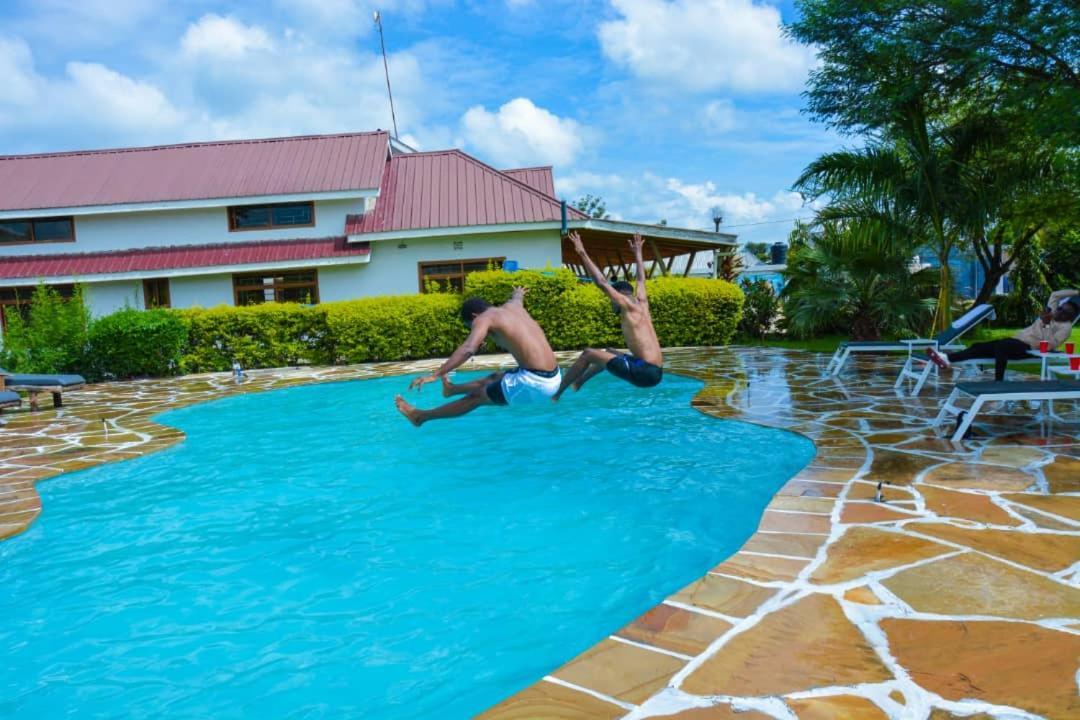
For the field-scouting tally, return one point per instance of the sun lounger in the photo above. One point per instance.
(34, 385)
(984, 392)
(945, 339)
(9, 398)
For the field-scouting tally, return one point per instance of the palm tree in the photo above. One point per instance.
(908, 184)
(835, 282)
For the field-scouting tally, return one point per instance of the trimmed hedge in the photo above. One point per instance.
(136, 343)
(686, 311)
(268, 335)
(400, 327)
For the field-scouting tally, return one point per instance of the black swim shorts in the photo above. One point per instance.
(635, 370)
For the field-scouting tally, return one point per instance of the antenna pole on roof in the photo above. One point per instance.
(386, 69)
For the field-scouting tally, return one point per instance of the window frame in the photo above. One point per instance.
(146, 283)
(314, 285)
(231, 215)
(33, 234)
(421, 279)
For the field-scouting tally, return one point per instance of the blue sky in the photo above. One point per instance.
(663, 107)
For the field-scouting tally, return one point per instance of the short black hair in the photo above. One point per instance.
(624, 287)
(473, 307)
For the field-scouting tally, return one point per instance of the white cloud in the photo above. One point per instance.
(223, 37)
(702, 45)
(718, 117)
(88, 96)
(17, 68)
(520, 133)
(118, 100)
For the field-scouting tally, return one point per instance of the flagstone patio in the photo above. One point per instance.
(958, 596)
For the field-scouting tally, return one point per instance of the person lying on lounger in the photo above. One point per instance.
(1053, 326)
(644, 367)
(514, 330)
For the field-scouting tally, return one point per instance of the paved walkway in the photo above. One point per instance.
(959, 596)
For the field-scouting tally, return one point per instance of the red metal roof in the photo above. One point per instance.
(538, 178)
(451, 189)
(177, 257)
(197, 171)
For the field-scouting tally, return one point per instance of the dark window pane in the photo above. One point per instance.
(251, 217)
(296, 214)
(14, 231)
(59, 230)
(250, 297)
(297, 295)
(448, 269)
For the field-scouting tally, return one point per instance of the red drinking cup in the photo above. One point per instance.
(1074, 363)
(1070, 348)
(1044, 347)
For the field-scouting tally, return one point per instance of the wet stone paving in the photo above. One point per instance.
(957, 596)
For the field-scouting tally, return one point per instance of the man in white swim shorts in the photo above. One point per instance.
(536, 378)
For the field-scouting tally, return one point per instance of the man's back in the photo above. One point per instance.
(639, 333)
(518, 333)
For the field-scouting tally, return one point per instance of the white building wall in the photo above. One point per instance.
(200, 226)
(342, 282)
(201, 291)
(108, 297)
(393, 270)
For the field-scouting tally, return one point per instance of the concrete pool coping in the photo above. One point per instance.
(960, 594)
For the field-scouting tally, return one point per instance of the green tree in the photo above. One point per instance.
(593, 206)
(1020, 56)
(907, 187)
(52, 338)
(864, 287)
(1062, 256)
(759, 250)
(1029, 290)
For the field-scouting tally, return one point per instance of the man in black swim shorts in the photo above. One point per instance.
(644, 366)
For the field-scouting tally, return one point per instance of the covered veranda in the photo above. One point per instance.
(607, 242)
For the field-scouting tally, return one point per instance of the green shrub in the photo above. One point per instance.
(258, 336)
(52, 339)
(686, 311)
(694, 311)
(760, 309)
(136, 343)
(133, 343)
(401, 327)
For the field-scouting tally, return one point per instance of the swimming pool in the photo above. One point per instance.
(307, 553)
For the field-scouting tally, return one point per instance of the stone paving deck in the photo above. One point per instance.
(958, 596)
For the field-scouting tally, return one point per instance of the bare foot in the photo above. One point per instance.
(411, 413)
(447, 387)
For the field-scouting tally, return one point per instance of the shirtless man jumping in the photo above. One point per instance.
(514, 330)
(644, 367)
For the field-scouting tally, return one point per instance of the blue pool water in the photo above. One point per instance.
(307, 553)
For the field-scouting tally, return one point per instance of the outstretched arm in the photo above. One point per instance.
(517, 297)
(594, 270)
(635, 244)
(466, 350)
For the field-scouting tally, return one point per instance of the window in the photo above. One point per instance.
(450, 274)
(20, 298)
(156, 293)
(297, 286)
(38, 230)
(268, 217)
